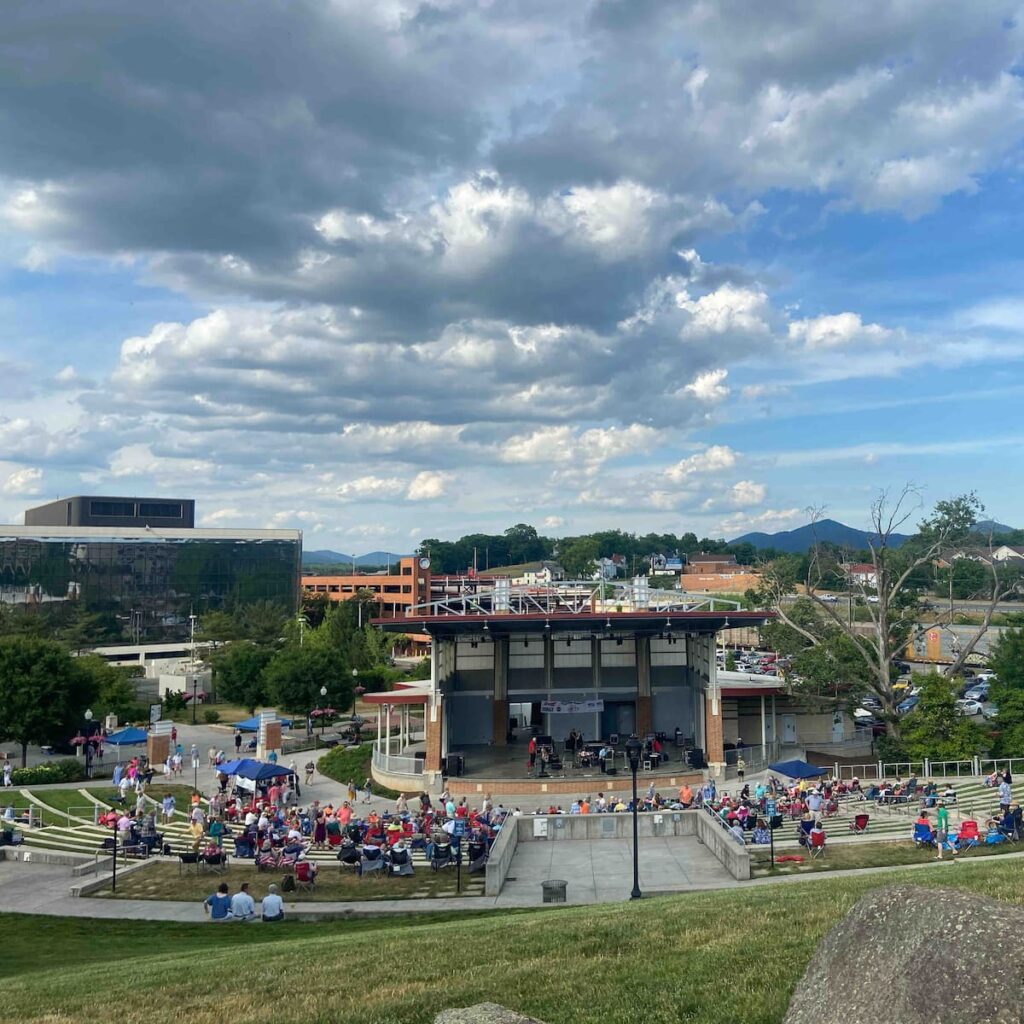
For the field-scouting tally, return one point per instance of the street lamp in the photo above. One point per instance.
(357, 691)
(87, 749)
(192, 660)
(633, 749)
(323, 699)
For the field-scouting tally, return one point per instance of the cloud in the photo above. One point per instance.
(712, 460)
(837, 331)
(371, 488)
(709, 386)
(769, 521)
(747, 492)
(427, 486)
(553, 522)
(24, 481)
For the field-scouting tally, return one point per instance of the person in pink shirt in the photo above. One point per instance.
(344, 814)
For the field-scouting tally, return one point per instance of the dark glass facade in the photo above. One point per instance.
(151, 584)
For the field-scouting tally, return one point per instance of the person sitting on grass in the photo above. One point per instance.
(218, 904)
(243, 907)
(273, 906)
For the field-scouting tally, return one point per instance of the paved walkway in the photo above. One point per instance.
(42, 889)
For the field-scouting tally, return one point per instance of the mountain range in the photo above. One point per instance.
(327, 557)
(802, 539)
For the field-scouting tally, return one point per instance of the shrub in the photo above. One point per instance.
(211, 717)
(344, 763)
(174, 701)
(67, 769)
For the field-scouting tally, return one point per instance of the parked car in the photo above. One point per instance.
(872, 599)
(968, 707)
(978, 693)
(990, 711)
(828, 598)
(908, 704)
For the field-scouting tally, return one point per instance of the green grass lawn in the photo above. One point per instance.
(864, 855)
(700, 958)
(163, 881)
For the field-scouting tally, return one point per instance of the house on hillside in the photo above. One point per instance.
(528, 574)
(712, 565)
(1008, 553)
(861, 574)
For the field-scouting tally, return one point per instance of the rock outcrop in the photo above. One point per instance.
(910, 955)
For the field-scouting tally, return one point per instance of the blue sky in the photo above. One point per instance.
(383, 272)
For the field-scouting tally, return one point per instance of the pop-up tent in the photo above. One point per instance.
(127, 737)
(257, 771)
(797, 769)
(253, 724)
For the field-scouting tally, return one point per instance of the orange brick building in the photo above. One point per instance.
(395, 592)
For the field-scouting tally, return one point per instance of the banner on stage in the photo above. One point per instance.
(574, 707)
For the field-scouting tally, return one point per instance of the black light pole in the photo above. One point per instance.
(633, 749)
(323, 700)
(113, 880)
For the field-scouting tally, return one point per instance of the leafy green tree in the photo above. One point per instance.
(1006, 659)
(665, 581)
(966, 578)
(219, 626)
(43, 692)
(115, 691)
(297, 672)
(238, 673)
(730, 661)
(935, 730)
(577, 558)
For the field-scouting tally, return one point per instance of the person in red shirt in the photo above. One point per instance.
(532, 751)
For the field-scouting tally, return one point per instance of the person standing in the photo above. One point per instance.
(532, 751)
(367, 789)
(8, 771)
(741, 768)
(942, 829)
(310, 768)
(238, 741)
(351, 791)
(1005, 794)
(174, 734)
(194, 753)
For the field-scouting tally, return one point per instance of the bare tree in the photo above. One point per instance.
(890, 591)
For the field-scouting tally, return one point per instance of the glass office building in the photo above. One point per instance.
(151, 580)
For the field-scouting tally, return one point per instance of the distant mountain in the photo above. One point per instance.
(801, 539)
(328, 557)
(987, 526)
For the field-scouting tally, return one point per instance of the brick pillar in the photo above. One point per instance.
(157, 749)
(499, 705)
(643, 715)
(499, 725)
(432, 728)
(714, 743)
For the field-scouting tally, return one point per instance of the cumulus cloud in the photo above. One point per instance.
(427, 486)
(709, 386)
(712, 460)
(24, 481)
(837, 331)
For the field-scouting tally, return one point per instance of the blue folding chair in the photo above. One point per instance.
(923, 835)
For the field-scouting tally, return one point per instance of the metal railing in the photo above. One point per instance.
(755, 759)
(989, 765)
(903, 768)
(396, 764)
(951, 769)
(857, 771)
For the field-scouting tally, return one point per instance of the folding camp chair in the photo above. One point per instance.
(860, 823)
(816, 844)
(923, 835)
(305, 876)
(969, 835)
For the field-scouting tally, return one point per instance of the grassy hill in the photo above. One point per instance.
(709, 958)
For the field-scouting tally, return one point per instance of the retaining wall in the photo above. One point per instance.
(500, 857)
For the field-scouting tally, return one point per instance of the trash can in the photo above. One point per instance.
(554, 890)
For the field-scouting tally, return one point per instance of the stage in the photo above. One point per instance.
(505, 770)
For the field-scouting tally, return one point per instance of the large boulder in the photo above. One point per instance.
(483, 1013)
(909, 955)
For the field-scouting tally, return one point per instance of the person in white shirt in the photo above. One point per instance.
(273, 905)
(243, 907)
(198, 815)
(250, 818)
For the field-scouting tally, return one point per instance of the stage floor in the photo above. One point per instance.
(511, 763)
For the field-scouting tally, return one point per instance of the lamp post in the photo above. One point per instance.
(633, 749)
(323, 700)
(87, 749)
(357, 691)
(192, 660)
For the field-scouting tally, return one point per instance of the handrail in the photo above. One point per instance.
(395, 764)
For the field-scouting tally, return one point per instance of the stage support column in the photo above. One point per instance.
(714, 743)
(499, 706)
(432, 725)
(643, 685)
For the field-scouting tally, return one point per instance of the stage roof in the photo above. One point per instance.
(614, 624)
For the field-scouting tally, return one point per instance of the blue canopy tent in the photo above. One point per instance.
(797, 769)
(253, 724)
(127, 737)
(258, 771)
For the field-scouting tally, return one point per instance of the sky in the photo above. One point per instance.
(399, 270)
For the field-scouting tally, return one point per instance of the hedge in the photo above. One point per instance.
(65, 770)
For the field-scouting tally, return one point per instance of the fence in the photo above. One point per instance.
(989, 765)
(395, 764)
(755, 759)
